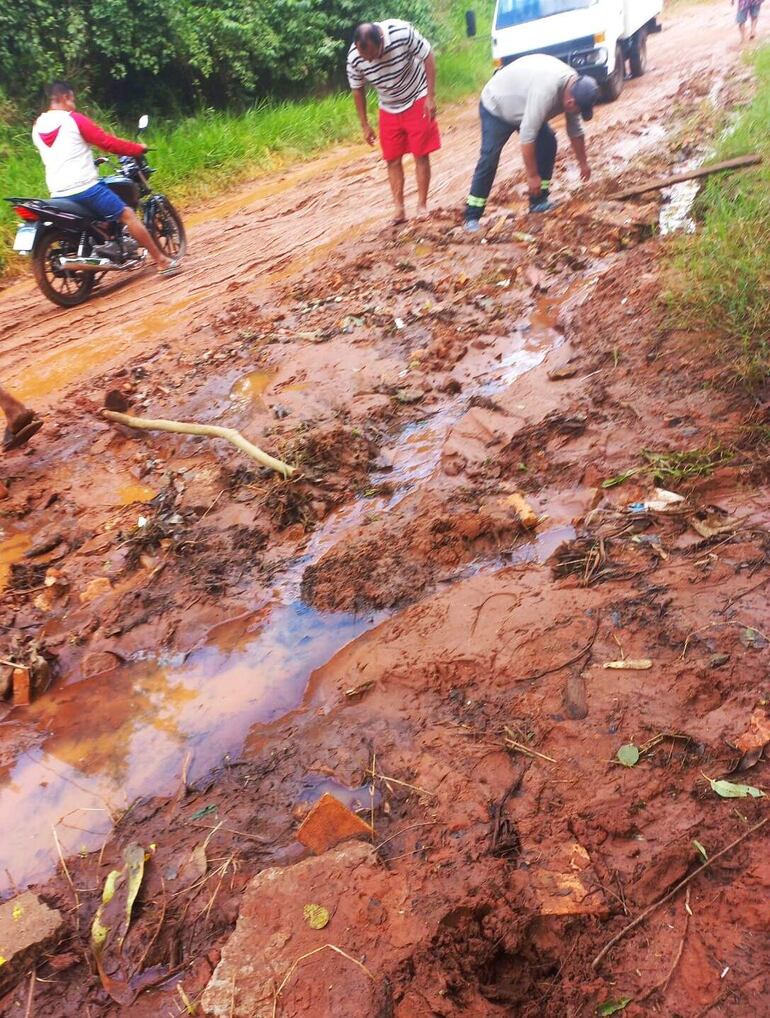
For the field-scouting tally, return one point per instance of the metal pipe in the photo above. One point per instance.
(96, 264)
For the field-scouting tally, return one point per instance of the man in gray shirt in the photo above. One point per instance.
(523, 97)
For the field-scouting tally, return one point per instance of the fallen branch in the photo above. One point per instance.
(303, 957)
(564, 664)
(520, 747)
(663, 985)
(667, 897)
(207, 430)
(680, 178)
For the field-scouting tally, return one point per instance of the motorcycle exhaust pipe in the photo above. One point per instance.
(95, 265)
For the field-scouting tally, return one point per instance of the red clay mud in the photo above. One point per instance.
(213, 649)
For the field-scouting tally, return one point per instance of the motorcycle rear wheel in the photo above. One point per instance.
(167, 229)
(62, 287)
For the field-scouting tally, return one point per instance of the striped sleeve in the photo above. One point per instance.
(355, 77)
(417, 45)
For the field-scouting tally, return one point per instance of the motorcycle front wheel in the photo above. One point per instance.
(60, 286)
(167, 229)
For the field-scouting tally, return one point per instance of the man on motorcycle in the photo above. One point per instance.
(63, 138)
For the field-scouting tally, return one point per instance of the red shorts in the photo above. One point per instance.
(411, 131)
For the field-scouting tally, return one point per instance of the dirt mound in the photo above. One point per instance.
(391, 562)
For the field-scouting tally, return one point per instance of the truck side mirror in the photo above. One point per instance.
(470, 24)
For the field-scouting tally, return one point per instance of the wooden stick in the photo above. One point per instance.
(209, 430)
(667, 897)
(679, 178)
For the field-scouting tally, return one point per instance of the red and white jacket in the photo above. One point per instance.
(63, 140)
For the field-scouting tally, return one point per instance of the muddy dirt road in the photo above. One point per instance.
(270, 231)
(213, 648)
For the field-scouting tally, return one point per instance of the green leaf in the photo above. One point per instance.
(613, 482)
(700, 850)
(203, 812)
(730, 791)
(316, 916)
(628, 755)
(613, 1006)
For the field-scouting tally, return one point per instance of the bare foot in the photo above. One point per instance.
(399, 215)
(422, 212)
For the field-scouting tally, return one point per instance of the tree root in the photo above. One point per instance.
(210, 431)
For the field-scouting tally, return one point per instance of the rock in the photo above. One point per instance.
(98, 662)
(575, 701)
(4, 492)
(568, 886)
(527, 515)
(272, 935)
(28, 930)
(101, 585)
(328, 823)
(565, 371)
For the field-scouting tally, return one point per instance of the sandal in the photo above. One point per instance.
(25, 427)
(172, 269)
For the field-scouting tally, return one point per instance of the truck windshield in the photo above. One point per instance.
(516, 12)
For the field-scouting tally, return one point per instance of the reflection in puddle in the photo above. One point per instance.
(13, 545)
(356, 799)
(128, 494)
(103, 751)
(251, 386)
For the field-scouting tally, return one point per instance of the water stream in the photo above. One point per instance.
(109, 741)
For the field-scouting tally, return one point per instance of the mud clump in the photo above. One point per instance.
(391, 563)
(332, 447)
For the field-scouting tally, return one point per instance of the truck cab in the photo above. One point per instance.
(595, 37)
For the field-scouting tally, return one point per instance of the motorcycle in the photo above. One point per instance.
(71, 251)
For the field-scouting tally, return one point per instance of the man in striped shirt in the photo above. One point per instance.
(399, 64)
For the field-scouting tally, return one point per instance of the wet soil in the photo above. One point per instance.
(223, 647)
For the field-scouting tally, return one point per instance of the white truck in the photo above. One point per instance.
(595, 37)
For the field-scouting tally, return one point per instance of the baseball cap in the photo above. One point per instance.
(585, 91)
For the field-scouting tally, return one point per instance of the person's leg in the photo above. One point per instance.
(423, 138)
(754, 12)
(141, 235)
(396, 180)
(741, 18)
(394, 145)
(494, 134)
(422, 172)
(545, 156)
(11, 407)
(22, 422)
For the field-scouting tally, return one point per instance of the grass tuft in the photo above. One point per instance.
(720, 275)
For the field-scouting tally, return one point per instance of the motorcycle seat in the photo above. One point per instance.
(67, 205)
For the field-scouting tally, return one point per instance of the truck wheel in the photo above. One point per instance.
(638, 57)
(613, 86)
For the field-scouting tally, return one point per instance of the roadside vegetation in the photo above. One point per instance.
(200, 155)
(720, 279)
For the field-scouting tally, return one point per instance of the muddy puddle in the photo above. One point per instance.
(13, 544)
(110, 740)
(105, 741)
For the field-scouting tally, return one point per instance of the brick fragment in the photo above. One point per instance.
(328, 823)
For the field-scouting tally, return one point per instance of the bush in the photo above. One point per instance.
(184, 54)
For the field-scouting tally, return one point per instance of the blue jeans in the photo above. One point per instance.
(494, 134)
(100, 201)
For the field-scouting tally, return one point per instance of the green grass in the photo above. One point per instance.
(205, 155)
(720, 276)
